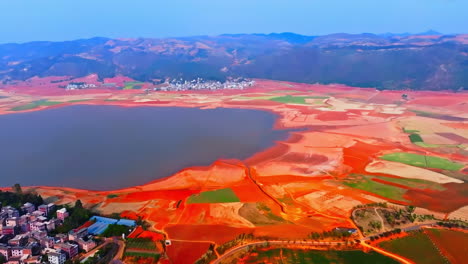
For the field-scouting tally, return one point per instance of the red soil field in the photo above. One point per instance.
(456, 125)
(248, 192)
(273, 152)
(186, 252)
(162, 194)
(445, 201)
(452, 244)
(312, 159)
(151, 235)
(332, 116)
(218, 234)
(359, 155)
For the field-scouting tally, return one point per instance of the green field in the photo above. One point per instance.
(415, 183)
(217, 196)
(365, 183)
(34, 104)
(78, 100)
(417, 247)
(289, 99)
(140, 243)
(415, 138)
(155, 255)
(132, 85)
(286, 255)
(423, 161)
(409, 131)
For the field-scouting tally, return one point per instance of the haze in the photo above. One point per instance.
(55, 20)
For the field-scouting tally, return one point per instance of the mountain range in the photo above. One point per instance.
(429, 61)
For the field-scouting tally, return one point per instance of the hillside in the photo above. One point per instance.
(419, 62)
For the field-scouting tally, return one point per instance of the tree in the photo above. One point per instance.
(410, 209)
(17, 188)
(78, 204)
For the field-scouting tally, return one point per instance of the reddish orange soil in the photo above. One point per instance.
(298, 179)
(445, 201)
(214, 233)
(186, 252)
(452, 244)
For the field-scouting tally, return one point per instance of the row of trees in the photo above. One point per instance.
(330, 234)
(386, 234)
(16, 198)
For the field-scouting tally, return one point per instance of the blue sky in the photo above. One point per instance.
(29, 20)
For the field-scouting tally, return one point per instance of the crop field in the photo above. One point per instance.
(415, 138)
(132, 85)
(366, 183)
(412, 183)
(78, 100)
(226, 195)
(423, 161)
(453, 244)
(285, 255)
(141, 243)
(142, 248)
(417, 246)
(34, 104)
(142, 254)
(289, 99)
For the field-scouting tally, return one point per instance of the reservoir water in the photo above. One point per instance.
(110, 147)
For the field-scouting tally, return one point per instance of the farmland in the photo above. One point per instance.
(286, 255)
(423, 161)
(453, 244)
(417, 246)
(141, 248)
(357, 148)
(366, 183)
(34, 104)
(217, 196)
(290, 99)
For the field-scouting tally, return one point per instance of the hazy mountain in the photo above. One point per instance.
(420, 61)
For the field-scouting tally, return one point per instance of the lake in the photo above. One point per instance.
(110, 147)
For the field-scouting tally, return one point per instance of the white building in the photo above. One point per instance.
(57, 257)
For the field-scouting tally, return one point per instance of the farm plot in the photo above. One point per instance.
(289, 99)
(416, 247)
(141, 248)
(366, 183)
(286, 255)
(453, 244)
(226, 195)
(423, 161)
(34, 104)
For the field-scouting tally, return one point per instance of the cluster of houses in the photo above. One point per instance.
(25, 235)
(200, 84)
(79, 85)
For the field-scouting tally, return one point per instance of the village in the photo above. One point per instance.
(29, 234)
